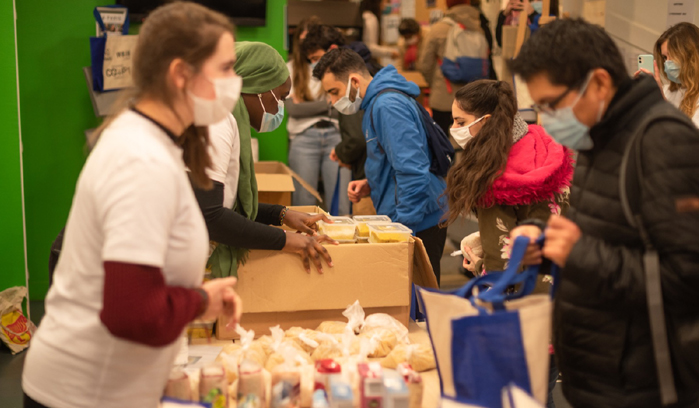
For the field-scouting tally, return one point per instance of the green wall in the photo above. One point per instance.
(273, 145)
(11, 233)
(56, 110)
(53, 46)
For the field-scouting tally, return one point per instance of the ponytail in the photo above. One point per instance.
(195, 152)
(470, 181)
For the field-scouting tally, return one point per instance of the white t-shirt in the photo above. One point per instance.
(225, 157)
(294, 125)
(370, 37)
(675, 98)
(133, 204)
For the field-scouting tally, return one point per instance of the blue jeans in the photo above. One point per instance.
(309, 156)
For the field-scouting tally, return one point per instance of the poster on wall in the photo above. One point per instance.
(431, 3)
(680, 11)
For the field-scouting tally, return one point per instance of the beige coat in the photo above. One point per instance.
(433, 51)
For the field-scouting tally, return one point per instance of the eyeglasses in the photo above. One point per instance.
(550, 107)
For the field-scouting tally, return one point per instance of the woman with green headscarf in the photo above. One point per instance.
(234, 218)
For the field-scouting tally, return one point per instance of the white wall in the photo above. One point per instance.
(635, 25)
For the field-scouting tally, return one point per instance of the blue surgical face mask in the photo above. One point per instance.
(270, 121)
(313, 65)
(672, 70)
(565, 128)
(537, 6)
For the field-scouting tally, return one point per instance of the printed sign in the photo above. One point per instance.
(680, 11)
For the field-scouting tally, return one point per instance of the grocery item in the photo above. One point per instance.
(382, 342)
(472, 241)
(332, 327)
(385, 321)
(15, 329)
(355, 317)
(416, 387)
(265, 342)
(251, 385)
(342, 229)
(308, 340)
(388, 233)
(320, 399)
(230, 363)
(286, 389)
(213, 387)
(419, 356)
(371, 387)
(397, 392)
(324, 370)
(341, 395)
(277, 358)
(308, 373)
(328, 350)
(178, 386)
(363, 222)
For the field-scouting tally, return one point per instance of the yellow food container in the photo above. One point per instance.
(342, 229)
(386, 233)
(363, 222)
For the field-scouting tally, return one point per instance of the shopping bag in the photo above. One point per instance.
(112, 59)
(485, 338)
(515, 397)
(15, 329)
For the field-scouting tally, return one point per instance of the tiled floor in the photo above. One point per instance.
(452, 277)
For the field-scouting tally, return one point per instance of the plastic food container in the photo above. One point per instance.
(343, 229)
(363, 222)
(386, 233)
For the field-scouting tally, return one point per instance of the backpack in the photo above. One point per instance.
(685, 332)
(441, 150)
(465, 54)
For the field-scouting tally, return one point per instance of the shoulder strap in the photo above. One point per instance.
(651, 260)
(376, 98)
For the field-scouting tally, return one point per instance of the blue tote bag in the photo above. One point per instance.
(486, 339)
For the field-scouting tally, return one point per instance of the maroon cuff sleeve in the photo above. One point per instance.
(139, 306)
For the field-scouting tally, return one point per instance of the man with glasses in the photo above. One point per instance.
(604, 329)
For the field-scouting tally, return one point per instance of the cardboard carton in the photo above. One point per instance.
(275, 183)
(276, 289)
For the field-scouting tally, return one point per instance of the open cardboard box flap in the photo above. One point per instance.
(423, 274)
(275, 176)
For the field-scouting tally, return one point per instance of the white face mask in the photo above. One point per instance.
(463, 134)
(210, 111)
(344, 105)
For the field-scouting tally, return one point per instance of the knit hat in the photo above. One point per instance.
(260, 66)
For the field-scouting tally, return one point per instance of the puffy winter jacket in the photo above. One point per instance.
(398, 155)
(602, 336)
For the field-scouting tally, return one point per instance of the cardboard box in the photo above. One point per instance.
(275, 183)
(276, 289)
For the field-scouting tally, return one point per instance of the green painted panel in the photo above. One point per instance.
(53, 47)
(11, 234)
(273, 145)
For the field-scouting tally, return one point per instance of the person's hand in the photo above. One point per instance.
(395, 54)
(220, 299)
(471, 266)
(302, 222)
(232, 308)
(358, 189)
(333, 156)
(513, 5)
(533, 255)
(655, 74)
(310, 249)
(561, 236)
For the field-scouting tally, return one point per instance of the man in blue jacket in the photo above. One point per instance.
(398, 157)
